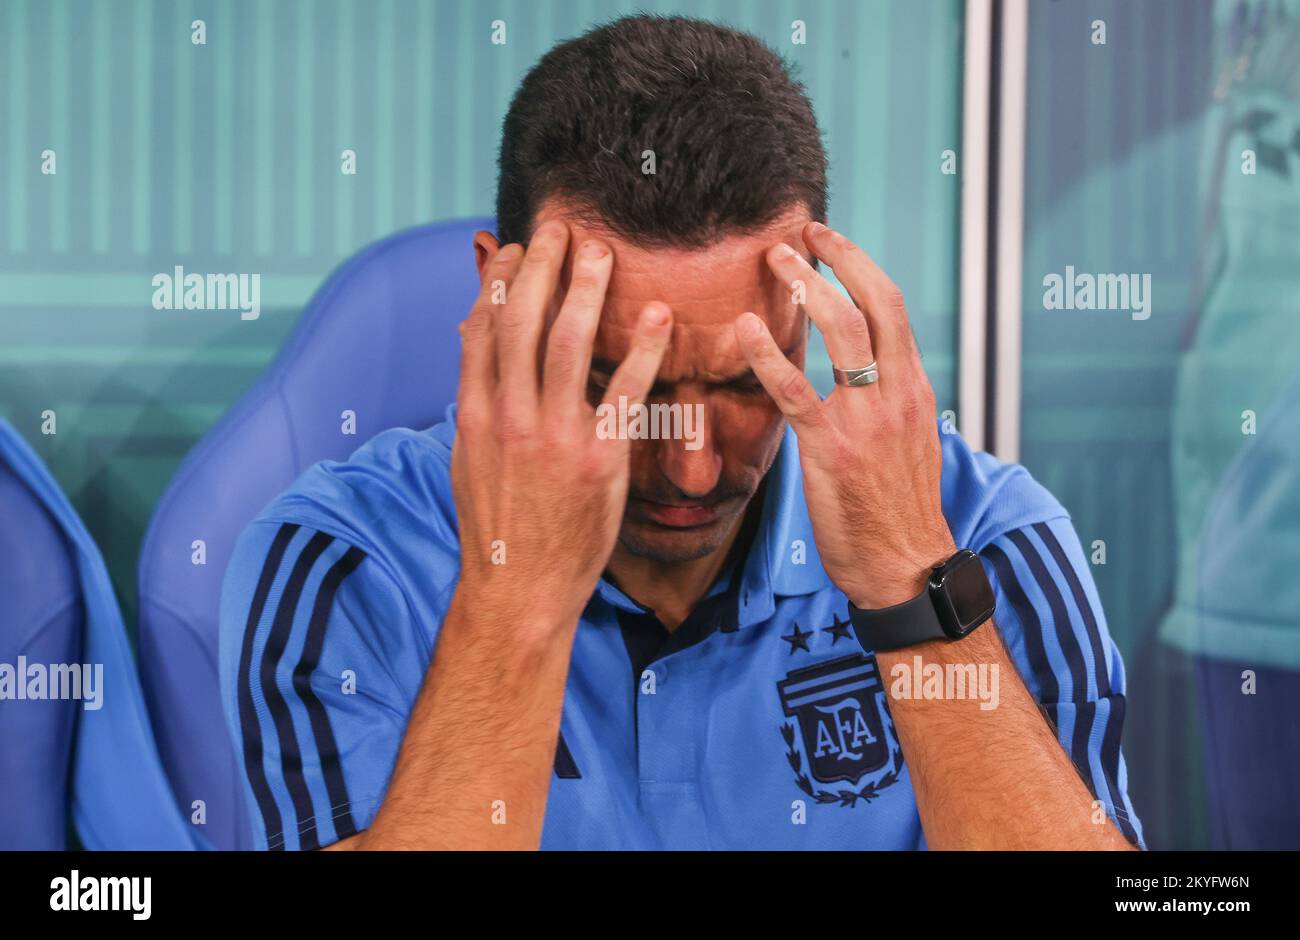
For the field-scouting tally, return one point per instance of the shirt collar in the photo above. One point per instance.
(782, 560)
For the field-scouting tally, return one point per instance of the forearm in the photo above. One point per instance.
(990, 779)
(474, 768)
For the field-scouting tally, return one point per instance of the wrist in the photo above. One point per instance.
(897, 589)
(979, 646)
(529, 614)
(902, 581)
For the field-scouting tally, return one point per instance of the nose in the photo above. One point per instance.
(690, 460)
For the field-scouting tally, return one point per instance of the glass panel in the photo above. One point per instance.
(1167, 421)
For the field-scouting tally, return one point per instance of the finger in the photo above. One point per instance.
(848, 339)
(478, 352)
(636, 373)
(519, 322)
(783, 380)
(568, 347)
(871, 289)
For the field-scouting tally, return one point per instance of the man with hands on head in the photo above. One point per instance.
(575, 641)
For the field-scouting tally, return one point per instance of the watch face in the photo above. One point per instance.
(962, 593)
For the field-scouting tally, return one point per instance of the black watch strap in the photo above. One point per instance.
(891, 628)
(957, 598)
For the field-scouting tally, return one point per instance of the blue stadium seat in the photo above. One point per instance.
(76, 744)
(378, 342)
(41, 620)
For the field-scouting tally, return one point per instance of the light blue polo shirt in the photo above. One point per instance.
(760, 723)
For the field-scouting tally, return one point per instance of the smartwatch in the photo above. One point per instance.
(956, 600)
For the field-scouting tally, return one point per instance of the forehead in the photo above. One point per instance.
(707, 289)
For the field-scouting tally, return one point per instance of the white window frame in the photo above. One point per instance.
(992, 224)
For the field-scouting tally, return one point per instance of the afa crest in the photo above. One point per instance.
(840, 733)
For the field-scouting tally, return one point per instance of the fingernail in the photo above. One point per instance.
(594, 249)
(656, 316)
(783, 251)
(749, 324)
(817, 228)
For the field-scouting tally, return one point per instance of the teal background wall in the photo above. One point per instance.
(225, 157)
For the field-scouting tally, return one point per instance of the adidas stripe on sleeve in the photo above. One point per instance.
(320, 663)
(1051, 620)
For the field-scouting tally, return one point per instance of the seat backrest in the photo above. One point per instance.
(76, 744)
(376, 348)
(40, 623)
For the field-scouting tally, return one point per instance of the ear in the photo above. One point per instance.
(485, 249)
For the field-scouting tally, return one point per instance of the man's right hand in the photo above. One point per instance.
(539, 495)
(531, 480)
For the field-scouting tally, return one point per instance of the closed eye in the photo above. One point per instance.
(744, 385)
(747, 386)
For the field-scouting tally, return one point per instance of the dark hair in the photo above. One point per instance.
(734, 136)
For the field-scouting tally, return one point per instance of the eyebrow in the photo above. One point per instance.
(747, 377)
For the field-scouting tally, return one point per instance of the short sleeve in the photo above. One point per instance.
(321, 662)
(1050, 618)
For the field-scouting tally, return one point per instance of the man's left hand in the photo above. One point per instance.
(870, 454)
